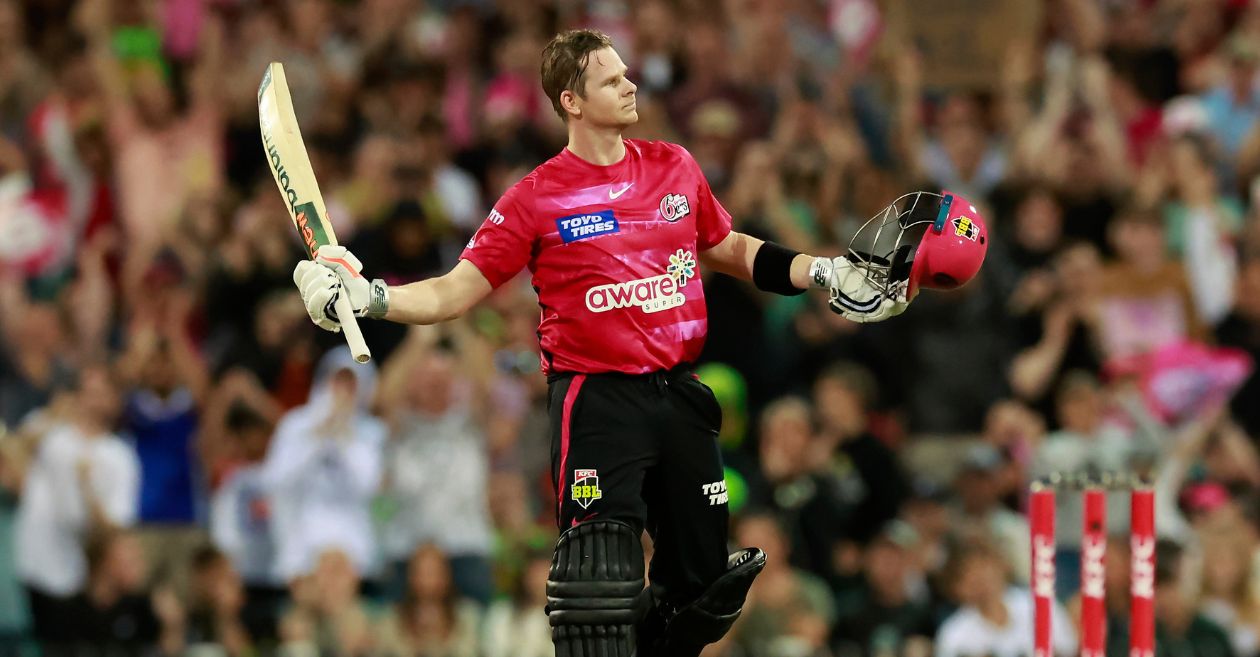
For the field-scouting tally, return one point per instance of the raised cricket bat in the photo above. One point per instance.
(290, 166)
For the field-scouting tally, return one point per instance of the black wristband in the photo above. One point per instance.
(772, 269)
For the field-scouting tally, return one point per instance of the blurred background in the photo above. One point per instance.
(188, 465)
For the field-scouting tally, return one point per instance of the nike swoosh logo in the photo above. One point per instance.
(613, 195)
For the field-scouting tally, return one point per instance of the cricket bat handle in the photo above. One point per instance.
(350, 327)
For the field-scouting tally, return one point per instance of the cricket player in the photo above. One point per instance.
(615, 233)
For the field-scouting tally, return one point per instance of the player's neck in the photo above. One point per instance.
(600, 147)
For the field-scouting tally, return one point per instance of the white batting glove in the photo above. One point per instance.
(852, 293)
(333, 271)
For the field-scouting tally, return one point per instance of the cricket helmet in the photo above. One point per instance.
(921, 240)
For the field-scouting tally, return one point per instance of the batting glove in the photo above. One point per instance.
(334, 271)
(854, 295)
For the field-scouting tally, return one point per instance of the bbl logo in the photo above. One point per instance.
(965, 227)
(585, 488)
(674, 207)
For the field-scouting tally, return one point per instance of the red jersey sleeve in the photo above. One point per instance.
(502, 246)
(713, 222)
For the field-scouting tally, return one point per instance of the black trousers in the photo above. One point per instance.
(49, 615)
(643, 449)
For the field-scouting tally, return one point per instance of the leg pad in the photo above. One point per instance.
(595, 592)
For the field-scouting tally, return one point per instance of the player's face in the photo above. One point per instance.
(610, 100)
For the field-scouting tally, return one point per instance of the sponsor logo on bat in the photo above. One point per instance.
(282, 175)
(310, 227)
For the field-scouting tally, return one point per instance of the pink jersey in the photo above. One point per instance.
(614, 255)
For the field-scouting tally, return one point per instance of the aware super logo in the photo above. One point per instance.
(652, 294)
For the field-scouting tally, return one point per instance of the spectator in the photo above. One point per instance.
(277, 353)
(656, 24)
(709, 86)
(1089, 440)
(433, 619)
(15, 616)
(927, 513)
(1211, 509)
(517, 626)
(369, 189)
(887, 614)
(962, 330)
(83, 480)
(960, 155)
(240, 519)
(1117, 594)
(23, 79)
(161, 415)
(1016, 432)
(806, 499)
(327, 616)
(1233, 105)
(1089, 443)
(168, 383)
(993, 618)
(872, 481)
(789, 611)
(406, 246)
(958, 152)
(518, 531)
(1228, 598)
(216, 605)
(116, 611)
(1079, 148)
(323, 468)
(1064, 336)
(438, 463)
(152, 129)
(1034, 238)
(1145, 300)
(456, 191)
(32, 355)
(1241, 329)
(254, 327)
(1182, 452)
(1201, 227)
(980, 516)
(1229, 457)
(1178, 624)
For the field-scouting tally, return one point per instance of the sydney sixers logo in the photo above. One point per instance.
(674, 207)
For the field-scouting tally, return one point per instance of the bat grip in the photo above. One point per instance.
(350, 327)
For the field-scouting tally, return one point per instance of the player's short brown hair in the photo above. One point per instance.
(564, 63)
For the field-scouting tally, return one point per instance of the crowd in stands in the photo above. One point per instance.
(189, 466)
